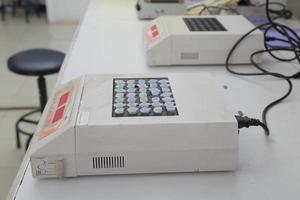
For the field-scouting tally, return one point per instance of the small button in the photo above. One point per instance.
(151, 81)
(119, 105)
(141, 81)
(130, 81)
(131, 100)
(167, 99)
(119, 100)
(142, 95)
(163, 81)
(132, 110)
(144, 105)
(155, 99)
(132, 104)
(143, 99)
(164, 85)
(171, 109)
(156, 104)
(157, 110)
(130, 86)
(142, 86)
(153, 85)
(119, 82)
(165, 89)
(119, 111)
(131, 90)
(119, 95)
(154, 91)
(169, 103)
(166, 94)
(130, 95)
(120, 86)
(142, 90)
(118, 90)
(145, 110)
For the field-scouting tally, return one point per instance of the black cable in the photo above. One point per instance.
(208, 7)
(246, 122)
(219, 8)
(283, 12)
(18, 108)
(293, 45)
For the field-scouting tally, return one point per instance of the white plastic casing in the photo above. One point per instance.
(203, 137)
(150, 10)
(172, 43)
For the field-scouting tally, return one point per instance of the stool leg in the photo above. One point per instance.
(38, 9)
(42, 92)
(28, 142)
(3, 11)
(14, 5)
(27, 10)
(18, 135)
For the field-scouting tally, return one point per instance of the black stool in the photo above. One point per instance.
(35, 62)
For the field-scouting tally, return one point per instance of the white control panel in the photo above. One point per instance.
(128, 124)
(199, 40)
(150, 9)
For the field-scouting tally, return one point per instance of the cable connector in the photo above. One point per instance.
(246, 122)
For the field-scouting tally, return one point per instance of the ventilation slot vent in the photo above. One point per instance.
(108, 162)
(189, 56)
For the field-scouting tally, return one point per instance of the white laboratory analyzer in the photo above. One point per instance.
(199, 40)
(150, 9)
(130, 124)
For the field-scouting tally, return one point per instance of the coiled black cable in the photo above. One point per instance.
(292, 41)
(282, 12)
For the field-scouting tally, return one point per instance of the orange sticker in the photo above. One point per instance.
(153, 28)
(47, 132)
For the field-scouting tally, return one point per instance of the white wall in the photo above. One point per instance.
(65, 10)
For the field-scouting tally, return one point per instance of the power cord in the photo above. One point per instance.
(246, 122)
(283, 12)
(214, 8)
(219, 8)
(293, 42)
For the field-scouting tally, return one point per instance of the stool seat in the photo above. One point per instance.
(36, 62)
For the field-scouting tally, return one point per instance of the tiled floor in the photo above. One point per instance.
(16, 35)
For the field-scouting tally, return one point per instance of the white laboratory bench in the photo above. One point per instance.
(110, 40)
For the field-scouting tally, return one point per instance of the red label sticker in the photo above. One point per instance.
(63, 99)
(58, 114)
(155, 33)
(153, 28)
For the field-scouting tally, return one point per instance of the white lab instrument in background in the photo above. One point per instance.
(128, 124)
(294, 5)
(199, 40)
(150, 9)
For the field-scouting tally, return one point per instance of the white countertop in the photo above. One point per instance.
(110, 40)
